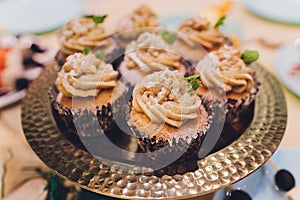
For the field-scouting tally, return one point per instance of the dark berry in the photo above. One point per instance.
(36, 49)
(284, 180)
(22, 83)
(29, 62)
(238, 195)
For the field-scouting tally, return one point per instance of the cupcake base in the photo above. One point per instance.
(238, 108)
(80, 122)
(183, 148)
(231, 117)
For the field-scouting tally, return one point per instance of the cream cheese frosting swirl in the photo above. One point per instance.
(225, 70)
(151, 53)
(200, 30)
(141, 17)
(164, 97)
(85, 76)
(80, 33)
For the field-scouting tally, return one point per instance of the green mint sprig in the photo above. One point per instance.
(100, 54)
(98, 19)
(249, 56)
(168, 37)
(220, 22)
(86, 51)
(193, 82)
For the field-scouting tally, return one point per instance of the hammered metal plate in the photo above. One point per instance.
(214, 172)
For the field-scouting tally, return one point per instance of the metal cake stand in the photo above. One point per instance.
(216, 171)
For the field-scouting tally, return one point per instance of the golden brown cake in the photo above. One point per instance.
(85, 87)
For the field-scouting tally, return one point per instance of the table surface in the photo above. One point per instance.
(11, 133)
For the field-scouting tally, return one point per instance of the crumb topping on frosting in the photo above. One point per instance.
(151, 53)
(200, 30)
(85, 76)
(225, 70)
(165, 97)
(80, 33)
(141, 17)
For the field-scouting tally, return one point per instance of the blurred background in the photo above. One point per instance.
(31, 27)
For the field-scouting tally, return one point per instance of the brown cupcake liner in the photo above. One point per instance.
(232, 117)
(236, 109)
(182, 149)
(81, 122)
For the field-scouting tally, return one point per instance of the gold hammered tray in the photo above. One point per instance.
(216, 171)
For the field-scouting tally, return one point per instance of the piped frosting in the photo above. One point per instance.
(151, 53)
(80, 33)
(165, 98)
(225, 70)
(200, 31)
(85, 76)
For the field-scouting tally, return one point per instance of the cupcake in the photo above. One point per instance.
(82, 96)
(203, 34)
(149, 53)
(167, 116)
(86, 32)
(228, 72)
(141, 17)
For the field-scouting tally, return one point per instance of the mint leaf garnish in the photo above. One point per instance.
(98, 19)
(193, 82)
(249, 56)
(100, 55)
(86, 51)
(168, 37)
(220, 22)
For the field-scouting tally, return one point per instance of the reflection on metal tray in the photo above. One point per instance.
(217, 170)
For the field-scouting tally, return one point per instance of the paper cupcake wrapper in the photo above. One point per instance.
(188, 148)
(233, 115)
(237, 110)
(81, 122)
